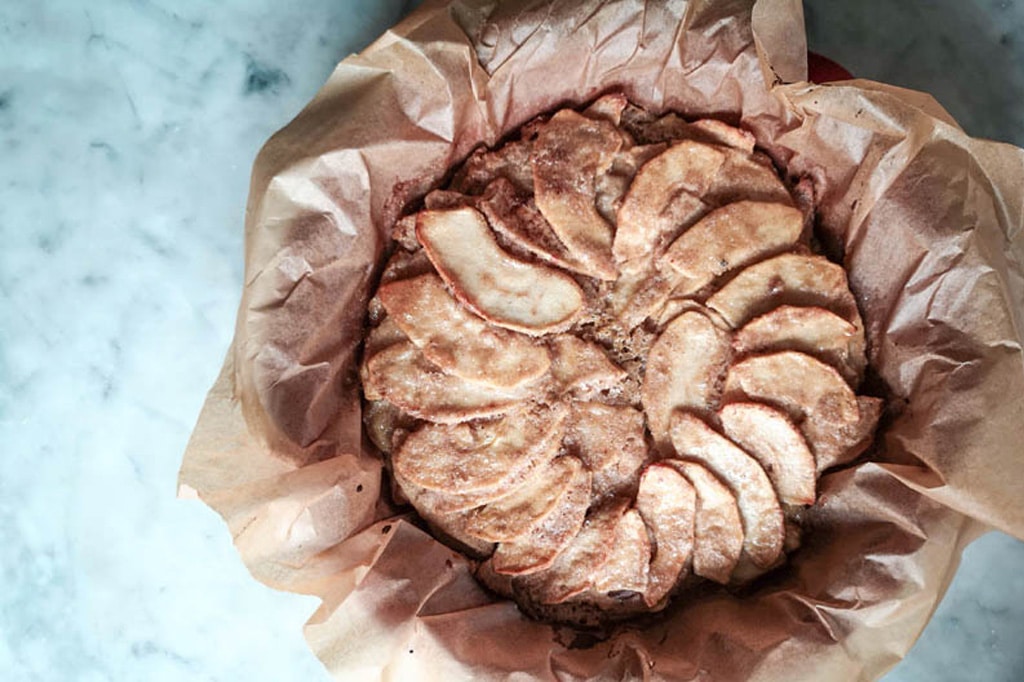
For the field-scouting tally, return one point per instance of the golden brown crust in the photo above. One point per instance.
(607, 364)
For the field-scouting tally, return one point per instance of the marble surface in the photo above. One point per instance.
(127, 129)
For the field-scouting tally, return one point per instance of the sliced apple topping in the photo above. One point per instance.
(684, 368)
(456, 340)
(628, 565)
(606, 365)
(664, 199)
(810, 330)
(467, 458)
(718, 529)
(758, 505)
(610, 441)
(521, 469)
(813, 394)
(515, 218)
(613, 185)
(728, 238)
(517, 513)
(538, 549)
(569, 153)
(667, 502)
(504, 290)
(575, 569)
(403, 376)
(746, 176)
(788, 279)
(767, 435)
(451, 525)
(723, 133)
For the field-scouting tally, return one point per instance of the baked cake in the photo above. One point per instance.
(606, 363)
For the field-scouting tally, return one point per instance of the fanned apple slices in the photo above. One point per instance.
(665, 197)
(458, 341)
(401, 375)
(683, 370)
(787, 279)
(606, 364)
(756, 500)
(731, 237)
(667, 502)
(777, 445)
(813, 394)
(490, 281)
(570, 152)
(718, 530)
(484, 457)
(811, 330)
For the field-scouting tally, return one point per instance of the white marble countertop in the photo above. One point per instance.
(127, 130)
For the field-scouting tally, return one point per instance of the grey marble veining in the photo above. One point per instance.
(968, 55)
(127, 130)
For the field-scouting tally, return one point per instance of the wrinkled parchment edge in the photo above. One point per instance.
(304, 509)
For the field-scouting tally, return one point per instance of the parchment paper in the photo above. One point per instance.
(930, 221)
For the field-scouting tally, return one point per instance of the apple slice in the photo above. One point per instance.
(457, 341)
(610, 441)
(515, 218)
(763, 527)
(517, 513)
(810, 330)
(718, 529)
(664, 199)
(723, 133)
(579, 365)
(789, 279)
(468, 458)
(667, 502)
(612, 185)
(508, 292)
(569, 153)
(813, 394)
(575, 569)
(628, 566)
(541, 547)
(767, 435)
(731, 237)
(402, 375)
(684, 367)
(521, 469)
(450, 527)
(746, 176)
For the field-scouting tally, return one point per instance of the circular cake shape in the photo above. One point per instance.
(607, 365)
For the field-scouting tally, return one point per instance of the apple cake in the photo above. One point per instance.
(607, 364)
